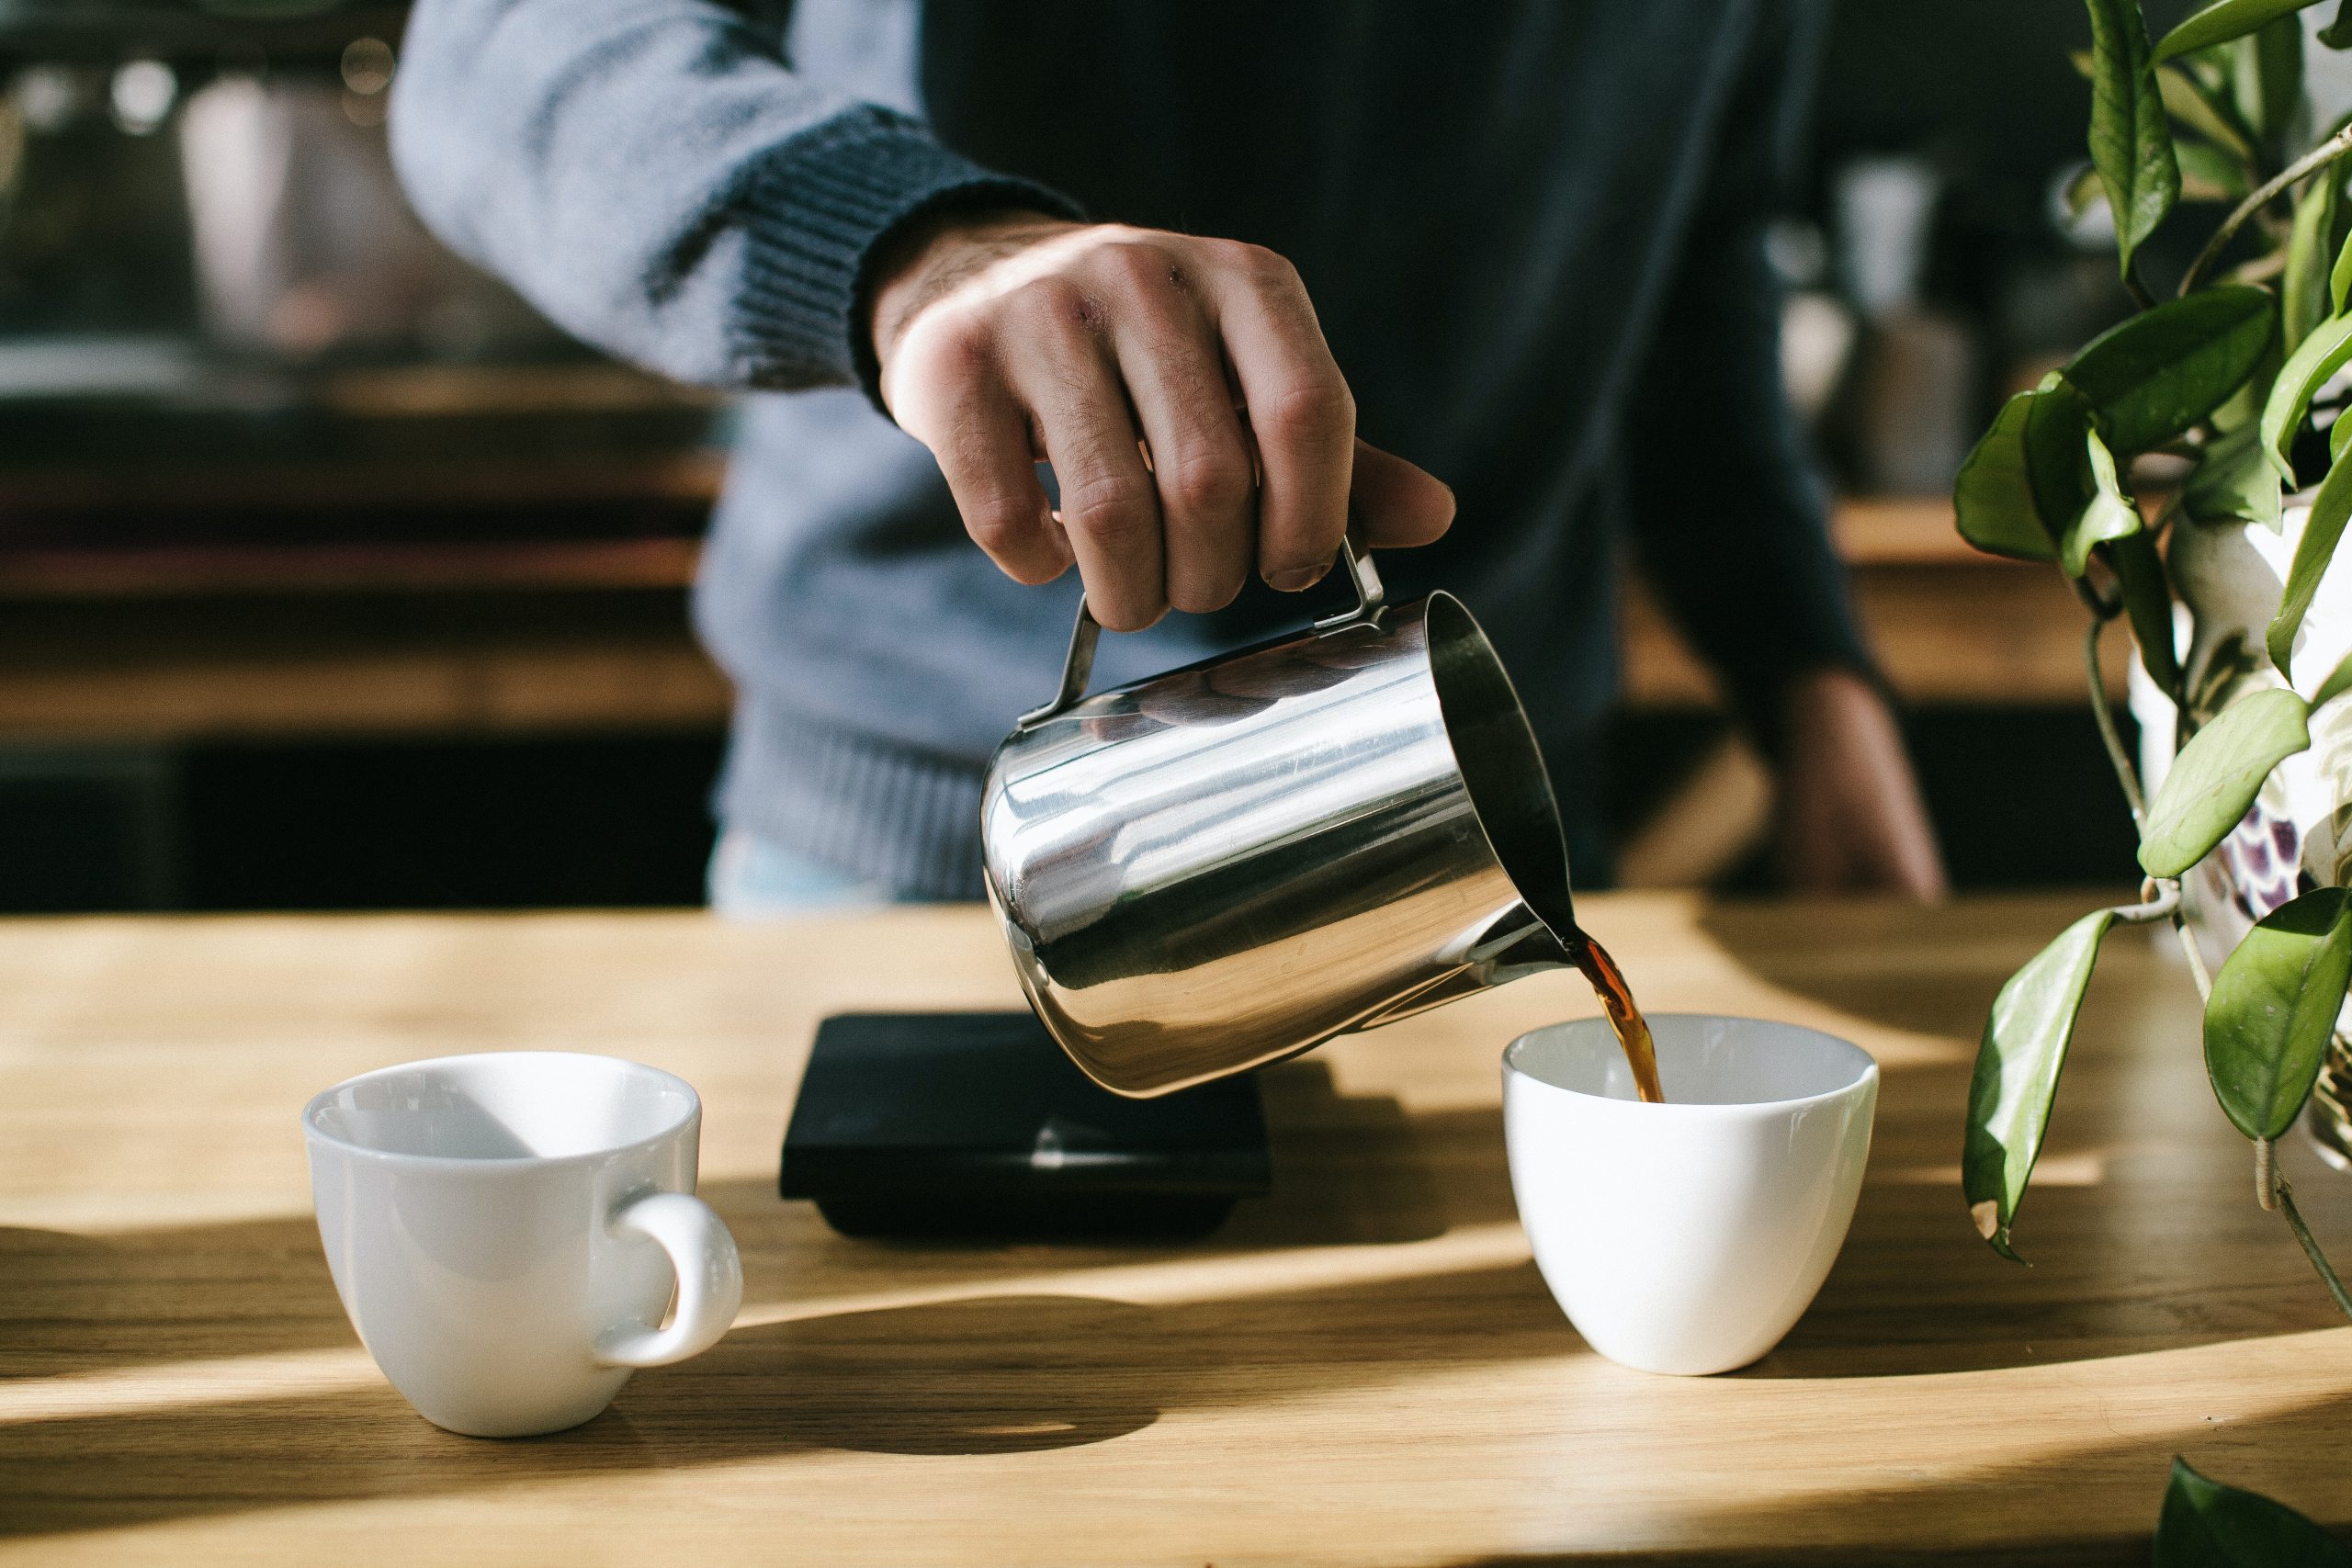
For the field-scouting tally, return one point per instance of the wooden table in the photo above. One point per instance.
(1363, 1368)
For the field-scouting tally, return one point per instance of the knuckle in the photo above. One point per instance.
(1110, 509)
(947, 343)
(959, 350)
(1133, 262)
(1313, 409)
(1266, 266)
(1211, 486)
(1049, 298)
(999, 527)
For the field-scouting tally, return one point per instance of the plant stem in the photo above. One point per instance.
(2102, 610)
(2157, 902)
(2125, 773)
(2204, 982)
(2327, 152)
(2310, 1248)
(2266, 1174)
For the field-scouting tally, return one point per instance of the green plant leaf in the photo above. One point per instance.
(2085, 188)
(2271, 80)
(2273, 1011)
(1993, 502)
(2221, 22)
(2130, 140)
(2315, 359)
(2207, 1524)
(2026, 481)
(2339, 680)
(2108, 514)
(2337, 434)
(2313, 553)
(2207, 174)
(2339, 279)
(2337, 34)
(2186, 101)
(2056, 460)
(2017, 1063)
(2147, 599)
(2216, 775)
(2155, 374)
(2234, 481)
(2305, 284)
(2244, 408)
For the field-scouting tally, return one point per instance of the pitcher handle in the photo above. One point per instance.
(1078, 666)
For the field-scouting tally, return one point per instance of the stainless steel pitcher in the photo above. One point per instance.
(1227, 864)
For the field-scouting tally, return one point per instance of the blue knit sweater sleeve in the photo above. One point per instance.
(1729, 516)
(652, 175)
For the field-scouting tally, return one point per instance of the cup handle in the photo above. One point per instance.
(1078, 665)
(710, 1281)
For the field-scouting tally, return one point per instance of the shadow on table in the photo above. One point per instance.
(1849, 955)
(1914, 1291)
(2086, 1553)
(1018, 1374)
(1348, 1169)
(2039, 1509)
(2115, 1272)
(73, 1303)
(983, 1375)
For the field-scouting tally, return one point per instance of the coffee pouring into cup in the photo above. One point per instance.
(1213, 869)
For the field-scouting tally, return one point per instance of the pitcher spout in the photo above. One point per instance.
(1512, 949)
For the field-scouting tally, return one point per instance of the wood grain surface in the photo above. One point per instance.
(1362, 1368)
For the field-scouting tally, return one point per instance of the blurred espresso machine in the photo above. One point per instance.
(210, 176)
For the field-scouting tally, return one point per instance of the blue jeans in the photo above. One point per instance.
(752, 878)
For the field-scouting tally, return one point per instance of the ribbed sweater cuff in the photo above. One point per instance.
(820, 210)
(885, 813)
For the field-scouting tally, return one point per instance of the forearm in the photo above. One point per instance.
(1730, 520)
(651, 177)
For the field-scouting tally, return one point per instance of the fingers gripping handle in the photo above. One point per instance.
(1078, 667)
(1364, 578)
(710, 1281)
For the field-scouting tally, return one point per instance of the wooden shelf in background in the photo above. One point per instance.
(414, 663)
(201, 573)
(1951, 625)
(691, 477)
(456, 636)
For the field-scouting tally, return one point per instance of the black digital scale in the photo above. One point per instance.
(976, 1123)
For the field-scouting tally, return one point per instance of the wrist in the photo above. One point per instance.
(1814, 702)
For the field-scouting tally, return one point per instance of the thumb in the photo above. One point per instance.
(1398, 503)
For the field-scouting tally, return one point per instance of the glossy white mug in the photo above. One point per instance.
(506, 1229)
(1689, 1236)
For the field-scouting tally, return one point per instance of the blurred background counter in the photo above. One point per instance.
(332, 576)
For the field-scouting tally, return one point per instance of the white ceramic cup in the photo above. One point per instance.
(1689, 1236)
(506, 1231)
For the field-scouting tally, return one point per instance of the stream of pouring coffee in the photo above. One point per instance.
(1617, 999)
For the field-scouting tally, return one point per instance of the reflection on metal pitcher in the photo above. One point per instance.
(1226, 864)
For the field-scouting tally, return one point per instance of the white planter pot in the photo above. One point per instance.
(2299, 833)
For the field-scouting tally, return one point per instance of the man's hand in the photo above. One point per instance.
(1197, 426)
(1850, 818)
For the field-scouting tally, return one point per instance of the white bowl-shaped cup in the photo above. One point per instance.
(1689, 1236)
(506, 1231)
